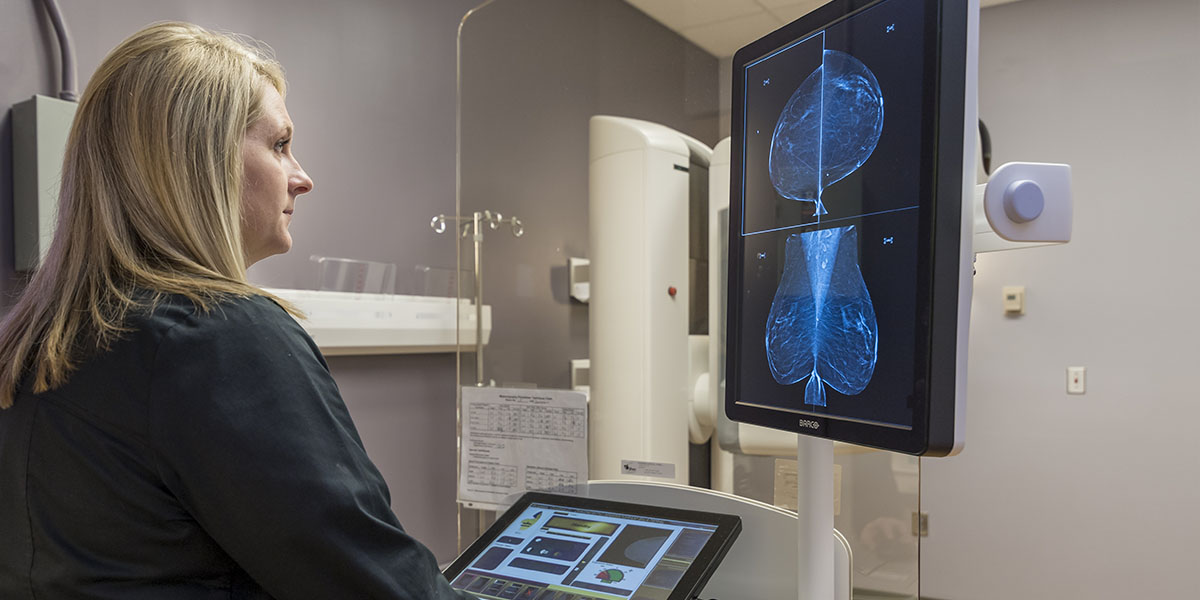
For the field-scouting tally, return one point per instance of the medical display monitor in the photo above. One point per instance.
(847, 245)
(549, 547)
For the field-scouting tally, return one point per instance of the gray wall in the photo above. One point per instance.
(1091, 496)
(725, 85)
(534, 72)
(372, 89)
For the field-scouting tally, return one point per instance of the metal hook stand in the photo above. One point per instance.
(473, 226)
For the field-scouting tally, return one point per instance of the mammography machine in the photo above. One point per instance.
(854, 217)
(645, 180)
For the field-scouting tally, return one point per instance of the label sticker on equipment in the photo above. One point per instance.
(648, 469)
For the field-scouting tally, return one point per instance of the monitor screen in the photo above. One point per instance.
(847, 225)
(558, 547)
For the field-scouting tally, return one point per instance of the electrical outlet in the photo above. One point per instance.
(1014, 299)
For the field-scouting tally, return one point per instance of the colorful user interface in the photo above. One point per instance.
(556, 553)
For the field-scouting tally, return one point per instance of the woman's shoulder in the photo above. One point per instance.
(232, 330)
(229, 317)
(170, 309)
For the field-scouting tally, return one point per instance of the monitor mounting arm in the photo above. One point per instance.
(1023, 205)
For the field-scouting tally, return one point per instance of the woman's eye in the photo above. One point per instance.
(281, 144)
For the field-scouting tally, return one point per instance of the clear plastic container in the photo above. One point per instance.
(350, 275)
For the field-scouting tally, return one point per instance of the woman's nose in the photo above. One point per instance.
(300, 182)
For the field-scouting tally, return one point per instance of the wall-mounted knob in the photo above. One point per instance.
(1023, 201)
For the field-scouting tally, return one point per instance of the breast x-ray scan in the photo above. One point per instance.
(833, 214)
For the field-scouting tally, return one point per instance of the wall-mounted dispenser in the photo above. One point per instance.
(40, 129)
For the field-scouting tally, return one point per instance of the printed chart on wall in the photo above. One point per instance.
(519, 440)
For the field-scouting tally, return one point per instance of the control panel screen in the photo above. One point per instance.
(551, 551)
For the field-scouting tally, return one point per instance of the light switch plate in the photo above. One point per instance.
(1076, 380)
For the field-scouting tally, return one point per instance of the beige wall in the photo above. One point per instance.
(1092, 496)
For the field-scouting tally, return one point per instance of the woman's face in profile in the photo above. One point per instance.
(272, 178)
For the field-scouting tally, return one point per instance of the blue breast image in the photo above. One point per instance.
(822, 324)
(827, 130)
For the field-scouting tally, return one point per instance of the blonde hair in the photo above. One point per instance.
(150, 198)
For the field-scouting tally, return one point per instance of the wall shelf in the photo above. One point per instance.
(348, 323)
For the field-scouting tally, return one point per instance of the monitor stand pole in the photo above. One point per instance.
(814, 507)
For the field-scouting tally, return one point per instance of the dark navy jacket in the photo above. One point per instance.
(202, 456)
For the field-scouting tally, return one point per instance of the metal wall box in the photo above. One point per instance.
(41, 126)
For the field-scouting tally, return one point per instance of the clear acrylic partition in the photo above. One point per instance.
(531, 75)
(879, 513)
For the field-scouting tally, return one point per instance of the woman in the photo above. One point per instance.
(170, 432)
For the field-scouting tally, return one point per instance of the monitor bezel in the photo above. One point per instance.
(945, 237)
(698, 573)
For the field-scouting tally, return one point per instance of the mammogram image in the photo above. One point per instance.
(827, 130)
(822, 323)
